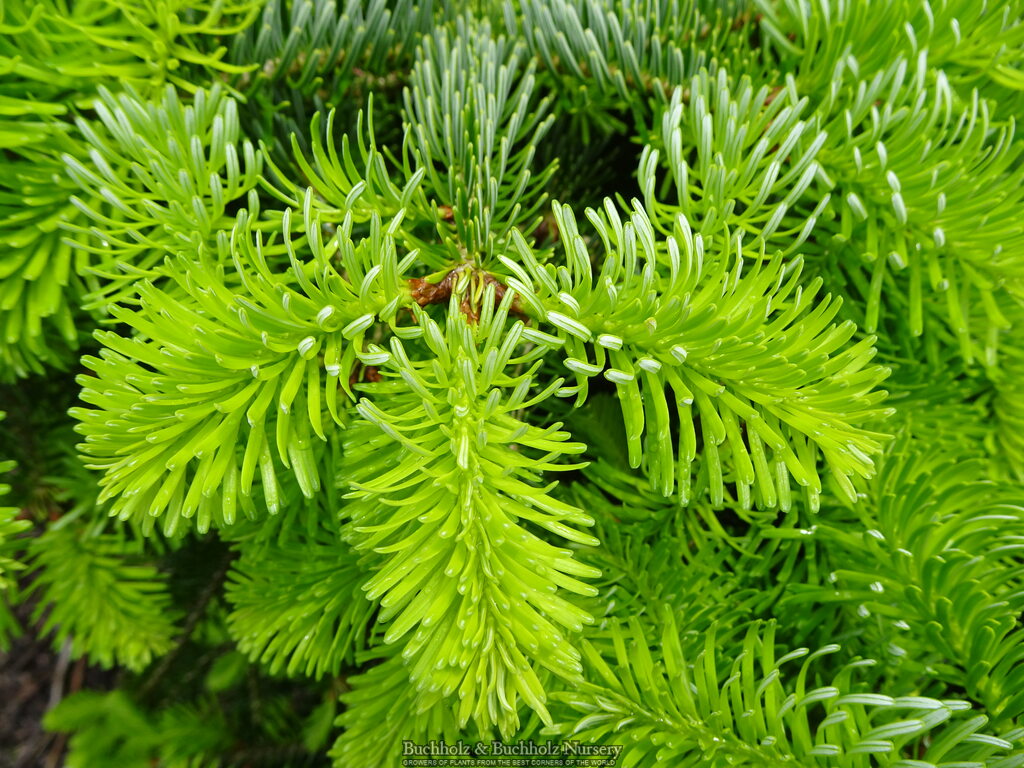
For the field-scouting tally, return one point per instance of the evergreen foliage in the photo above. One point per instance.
(637, 374)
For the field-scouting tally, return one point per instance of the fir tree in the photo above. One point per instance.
(637, 374)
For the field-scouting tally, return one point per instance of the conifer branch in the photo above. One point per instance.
(450, 499)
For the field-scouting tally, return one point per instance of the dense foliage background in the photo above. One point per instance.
(641, 373)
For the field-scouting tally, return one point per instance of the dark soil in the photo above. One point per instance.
(33, 678)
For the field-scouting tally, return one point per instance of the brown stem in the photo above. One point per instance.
(424, 293)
